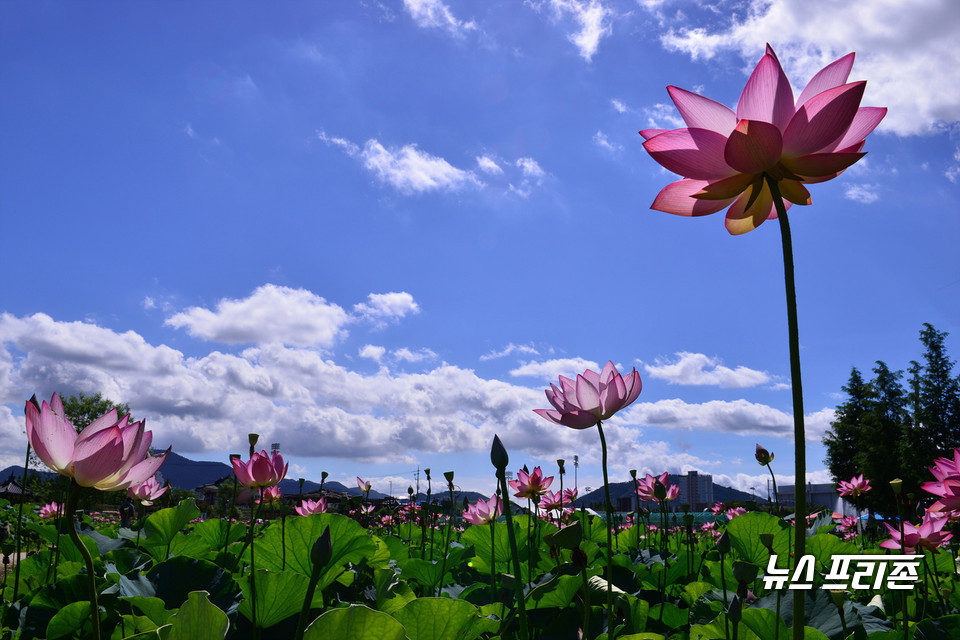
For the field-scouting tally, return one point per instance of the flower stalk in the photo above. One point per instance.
(87, 558)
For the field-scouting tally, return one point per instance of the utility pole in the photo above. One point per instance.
(576, 465)
(417, 477)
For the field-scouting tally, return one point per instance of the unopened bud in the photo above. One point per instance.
(322, 550)
(897, 485)
(763, 456)
(733, 611)
(745, 571)
(498, 454)
(838, 596)
(723, 543)
(766, 539)
(410, 490)
(659, 491)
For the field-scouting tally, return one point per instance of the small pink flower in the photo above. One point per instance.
(270, 495)
(261, 470)
(733, 512)
(484, 511)
(363, 484)
(49, 510)
(569, 496)
(552, 501)
(718, 508)
(592, 397)
(310, 507)
(855, 488)
(646, 488)
(929, 535)
(147, 491)
(528, 485)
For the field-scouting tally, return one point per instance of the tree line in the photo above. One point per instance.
(895, 425)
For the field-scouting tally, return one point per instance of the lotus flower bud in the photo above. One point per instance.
(733, 611)
(427, 472)
(322, 550)
(838, 596)
(745, 572)
(897, 485)
(35, 402)
(763, 456)
(324, 475)
(659, 490)
(560, 464)
(723, 543)
(766, 539)
(410, 491)
(498, 454)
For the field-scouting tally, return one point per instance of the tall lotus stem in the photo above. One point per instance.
(87, 558)
(253, 566)
(320, 554)
(500, 460)
(799, 437)
(609, 508)
(23, 496)
(446, 544)
(430, 511)
(493, 560)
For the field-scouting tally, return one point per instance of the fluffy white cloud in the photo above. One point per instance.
(550, 369)
(592, 18)
(700, 369)
(907, 50)
(372, 352)
(381, 308)
(407, 355)
(488, 165)
(433, 14)
(602, 141)
(736, 416)
(407, 169)
(510, 348)
(862, 193)
(270, 314)
(530, 167)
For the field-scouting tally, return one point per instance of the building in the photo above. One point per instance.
(696, 490)
(818, 496)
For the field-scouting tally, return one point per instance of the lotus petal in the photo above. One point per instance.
(703, 113)
(823, 120)
(753, 147)
(692, 153)
(679, 198)
(832, 75)
(767, 95)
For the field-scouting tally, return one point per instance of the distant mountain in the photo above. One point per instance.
(17, 472)
(625, 490)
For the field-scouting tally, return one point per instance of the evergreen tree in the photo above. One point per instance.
(881, 435)
(843, 438)
(939, 419)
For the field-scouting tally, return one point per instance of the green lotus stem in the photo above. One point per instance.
(87, 558)
(936, 582)
(283, 541)
(586, 604)
(493, 560)
(776, 496)
(253, 566)
(446, 548)
(512, 537)
(723, 587)
(799, 437)
(609, 508)
(23, 496)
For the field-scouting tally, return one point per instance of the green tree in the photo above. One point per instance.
(82, 409)
(881, 435)
(939, 392)
(843, 438)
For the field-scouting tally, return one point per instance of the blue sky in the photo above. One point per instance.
(376, 231)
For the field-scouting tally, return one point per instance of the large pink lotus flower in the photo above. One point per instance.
(110, 454)
(945, 467)
(528, 485)
(726, 157)
(484, 511)
(855, 488)
(929, 535)
(260, 470)
(310, 507)
(949, 491)
(49, 510)
(147, 491)
(592, 397)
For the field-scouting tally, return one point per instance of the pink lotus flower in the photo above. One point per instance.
(592, 397)
(929, 535)
(528, 485)
(147, 491)
(855, 488)
(270, 495)
(310, 507)
(569, 495)
(110, 454)
(733, 512)
(363, 484)
(49, 510)
(366, 509)
(949, 491)
(718, 508)
(646, 488)
(727, 158)
(260, 470)
(944, 467)
(484, 511)
(552, 501)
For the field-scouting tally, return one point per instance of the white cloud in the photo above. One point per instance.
(736, 416)
(433, 14)
(601, 140)
(382, 308)
(510, 348)
(953, 174)
(148, 303)
(407, 355)
(372, 352)
(619, 106)
(663, 116)
(411, 170)
(488, 165)
(700, 369)
(550, 369)
(592, 18)
(348, 147)
(530, 167)
(270, 314)
(907, 50)
(862, 193)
